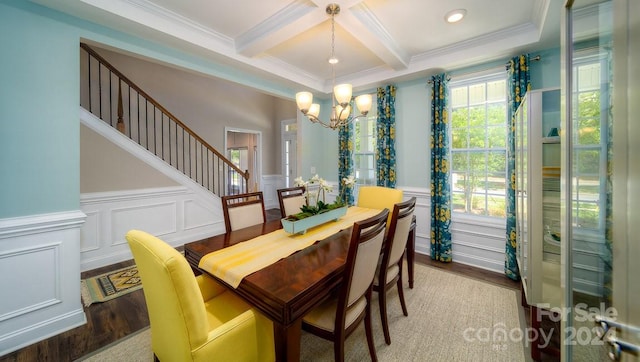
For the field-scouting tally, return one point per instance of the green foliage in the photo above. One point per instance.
(321, 207)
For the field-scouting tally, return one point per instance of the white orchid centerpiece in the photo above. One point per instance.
(318, 196)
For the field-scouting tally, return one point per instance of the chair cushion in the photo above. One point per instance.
(223, 308)
(324, 315)
(391, 273)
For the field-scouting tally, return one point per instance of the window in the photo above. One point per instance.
(591, 103)
(364, 152)
(478, 116)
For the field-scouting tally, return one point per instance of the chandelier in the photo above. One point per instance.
(341, 100)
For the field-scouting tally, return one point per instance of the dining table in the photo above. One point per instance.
(289, 288)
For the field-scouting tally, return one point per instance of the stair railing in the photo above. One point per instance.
(141, 118)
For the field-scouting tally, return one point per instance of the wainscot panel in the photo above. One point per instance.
(41, 282)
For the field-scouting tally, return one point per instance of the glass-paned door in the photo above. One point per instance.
(600, 180)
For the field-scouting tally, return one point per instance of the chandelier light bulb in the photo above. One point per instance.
(363, 103)
(342, 93)
(314, 110)
(304, 100)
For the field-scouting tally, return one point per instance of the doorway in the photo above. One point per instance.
(244, 148)
(289, 132)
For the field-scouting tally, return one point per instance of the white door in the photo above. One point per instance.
(289, 151)
(601, 180)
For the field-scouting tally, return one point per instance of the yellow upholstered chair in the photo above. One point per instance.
(390, 266)
(336, 318)
(195, 318)
(378, 197)
(291, 200)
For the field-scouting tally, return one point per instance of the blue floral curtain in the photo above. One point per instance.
(519, 84)
(386, 133)
(440, 188)
(345, 160)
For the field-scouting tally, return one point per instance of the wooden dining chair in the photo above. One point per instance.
(389, 270)
(336, 318)
(291, 200)
(243, 210)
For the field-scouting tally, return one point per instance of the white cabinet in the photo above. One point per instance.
(538, 196)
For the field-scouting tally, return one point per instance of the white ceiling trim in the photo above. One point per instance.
(285, 24)
(360, 20)
(165, 21)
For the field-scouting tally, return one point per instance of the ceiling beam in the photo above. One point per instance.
(365, 26)
(295, 18)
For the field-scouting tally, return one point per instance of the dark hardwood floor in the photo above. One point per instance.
(109, 321)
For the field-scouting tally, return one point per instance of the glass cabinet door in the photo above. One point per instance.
(600, 192)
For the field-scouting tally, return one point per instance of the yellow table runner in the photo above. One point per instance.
(236, 262)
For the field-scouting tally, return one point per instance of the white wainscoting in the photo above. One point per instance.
(176, 215)
(40, 283)
(476, 241)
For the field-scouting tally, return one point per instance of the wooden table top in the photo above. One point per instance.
(286, 290)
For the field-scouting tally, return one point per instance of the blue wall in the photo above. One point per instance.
(39, 96)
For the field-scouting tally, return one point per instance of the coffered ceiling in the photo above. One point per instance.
(289, 41)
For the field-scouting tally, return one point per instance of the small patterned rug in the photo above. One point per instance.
(110, 285)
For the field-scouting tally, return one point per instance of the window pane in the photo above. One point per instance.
(496, 137)
(477, 116)
(458, 181)
(589, 131)
(478, 144)
(587, 161)
(364, 148)
(497, 161)
(459, 118)
(458, 97)
(459, 138)
(477, 137)
(459, 161)
(497, 114)
(497, 90)
(477, 93)
(458, 202)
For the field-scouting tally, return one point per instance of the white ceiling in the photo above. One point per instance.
(289, 41)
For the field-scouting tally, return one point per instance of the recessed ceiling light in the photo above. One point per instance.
(454, 16)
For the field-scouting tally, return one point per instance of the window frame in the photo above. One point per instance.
(370, 118)
(487, 193)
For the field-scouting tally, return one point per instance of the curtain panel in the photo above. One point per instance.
(345, 161)
(519, 84)
(440, 188)
(386, 137)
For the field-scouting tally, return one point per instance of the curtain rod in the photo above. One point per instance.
(507, 65)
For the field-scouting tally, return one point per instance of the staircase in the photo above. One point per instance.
(116, 100)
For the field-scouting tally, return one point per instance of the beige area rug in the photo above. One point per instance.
(451, 318)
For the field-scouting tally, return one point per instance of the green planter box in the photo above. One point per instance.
(301, 226)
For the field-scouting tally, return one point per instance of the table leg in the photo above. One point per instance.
(287, 340)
